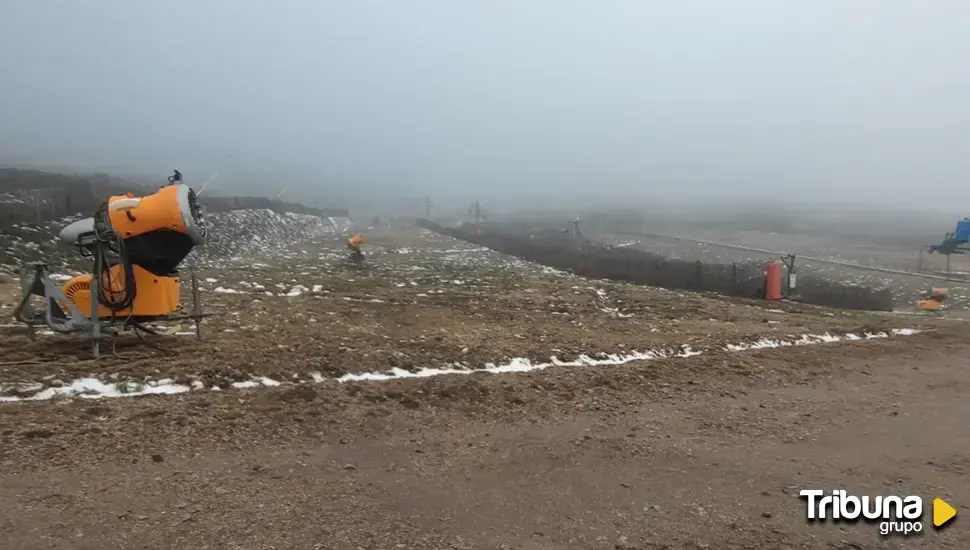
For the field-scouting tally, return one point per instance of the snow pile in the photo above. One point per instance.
(248, 233)
(22, 242)
(239, 234)
(15, 199)
(341, 225)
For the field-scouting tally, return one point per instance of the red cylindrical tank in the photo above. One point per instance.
(773, 281)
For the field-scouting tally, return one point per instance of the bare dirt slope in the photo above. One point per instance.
(706, 452)
(422, 301)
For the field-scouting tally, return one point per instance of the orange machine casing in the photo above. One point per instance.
(157, 211)
(155, 295)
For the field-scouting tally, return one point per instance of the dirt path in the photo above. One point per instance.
(660, 455)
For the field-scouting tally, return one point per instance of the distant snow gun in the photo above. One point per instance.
(354, 244)
(934, 300)
(954, 242)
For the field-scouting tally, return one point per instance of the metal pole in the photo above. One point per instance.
(95, 292)
(196, 305)
(789, 262)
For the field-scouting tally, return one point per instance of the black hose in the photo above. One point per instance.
(106, 238)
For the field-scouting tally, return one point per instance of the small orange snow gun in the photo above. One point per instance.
(934, 301)
(355, 241)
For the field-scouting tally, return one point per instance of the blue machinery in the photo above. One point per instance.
(953, 242)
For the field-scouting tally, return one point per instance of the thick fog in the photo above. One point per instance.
(506, 101)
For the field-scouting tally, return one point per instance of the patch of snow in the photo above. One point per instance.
(297, 290)
(807, 339)
(93, 388)
(256, 382)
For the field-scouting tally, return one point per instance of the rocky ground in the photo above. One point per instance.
(422, 302)
(317, 413)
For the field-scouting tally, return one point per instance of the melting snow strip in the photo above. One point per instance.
(93, 388)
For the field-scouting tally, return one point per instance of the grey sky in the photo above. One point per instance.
(678, 98)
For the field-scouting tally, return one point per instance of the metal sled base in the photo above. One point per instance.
(62, 316)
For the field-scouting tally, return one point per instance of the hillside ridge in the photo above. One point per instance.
(34, 196)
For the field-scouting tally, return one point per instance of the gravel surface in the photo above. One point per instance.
(680, 453)
(422, 302)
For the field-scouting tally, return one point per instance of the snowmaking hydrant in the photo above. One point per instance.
(136, 244)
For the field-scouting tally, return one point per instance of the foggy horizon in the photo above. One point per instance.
(508, 103)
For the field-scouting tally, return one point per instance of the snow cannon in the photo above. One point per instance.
(354, 244)
(955, 242)
(934, 300)
(137, 245)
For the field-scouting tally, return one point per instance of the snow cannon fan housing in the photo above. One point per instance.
(151, 236)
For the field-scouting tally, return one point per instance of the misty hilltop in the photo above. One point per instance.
(632, 100)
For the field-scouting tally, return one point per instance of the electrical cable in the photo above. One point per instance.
(106, 238)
